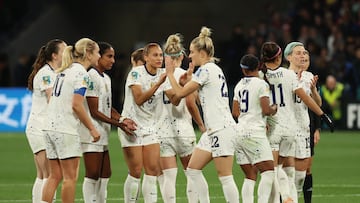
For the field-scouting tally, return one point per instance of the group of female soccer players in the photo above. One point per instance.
(271, 135)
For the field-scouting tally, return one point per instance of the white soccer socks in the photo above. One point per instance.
(89, 190)
(247, 191)
(102, 190)
(169, 187)
(131, 189)
(230, 189)
(264, 189)
(197, 187)
(37, 190)
(149, 188)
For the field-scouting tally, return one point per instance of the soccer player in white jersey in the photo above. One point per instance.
(296, 54)
(283, 85)
(176, 134)
(220, 126)
(40, 82)
(251, 105)
(137, 57)
(315, 128)
(65, 112)
(143, 104)
(103, 115)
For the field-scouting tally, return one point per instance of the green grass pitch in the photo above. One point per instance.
(336, 171)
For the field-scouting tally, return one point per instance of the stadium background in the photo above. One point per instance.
(330, 29)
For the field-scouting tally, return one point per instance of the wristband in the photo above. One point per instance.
(121, 119)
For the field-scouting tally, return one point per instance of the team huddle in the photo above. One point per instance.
(267, 128)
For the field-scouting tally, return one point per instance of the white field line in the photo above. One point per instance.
(184, 198)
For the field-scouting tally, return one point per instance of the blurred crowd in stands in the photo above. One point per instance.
(330, 30)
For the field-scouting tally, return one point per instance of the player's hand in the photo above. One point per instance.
(186, 77)
(314, 81)
(202, 129)
(274, 107)
(95, 134)
(316, 136)
(328, 121)
(162, 78)
(169, 65)
(130, 124)
(127, 125)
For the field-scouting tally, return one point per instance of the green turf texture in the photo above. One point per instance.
(336, 171)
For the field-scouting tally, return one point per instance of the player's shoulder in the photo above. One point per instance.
(138, 68)
(46, 69)
(259, 82)
(307, 74)
(94, 73)
(288, 72)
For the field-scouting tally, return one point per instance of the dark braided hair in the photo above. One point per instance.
(269, 52)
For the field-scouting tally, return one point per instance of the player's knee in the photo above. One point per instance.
(135, 172)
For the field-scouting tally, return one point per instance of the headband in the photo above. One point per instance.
(174, 54)
(277, 54)
(244, 66)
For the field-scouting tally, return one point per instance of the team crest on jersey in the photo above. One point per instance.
(86, 81)
(134, 75)
(46, 80)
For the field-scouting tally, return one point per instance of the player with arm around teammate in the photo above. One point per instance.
(251, 106)
(213, 93)
(40, 82)
(65, 112)
(143, 104)
(103, 115)
(176, 134)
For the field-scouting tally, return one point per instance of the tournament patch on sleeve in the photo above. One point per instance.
(86, 81)
(134, 75)
(46, 80)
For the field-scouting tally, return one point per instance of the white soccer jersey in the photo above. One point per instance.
(100, 87)
(214, 97)
(301, 110)
(61, 117)
(248, 92)
(43, 80)
(148, 114)
(176, 120)
(283, 82)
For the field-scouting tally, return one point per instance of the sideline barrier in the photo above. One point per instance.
(352, 116)
(15, 106)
